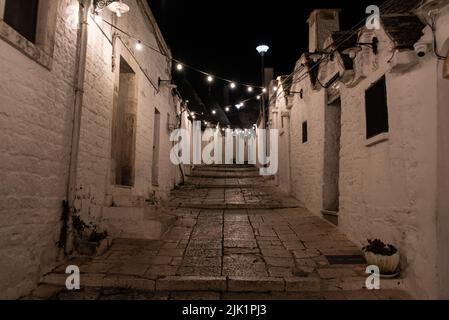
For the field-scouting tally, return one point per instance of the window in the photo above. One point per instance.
(376, 109)
(29, 26)
(305, 132)
(21, 15)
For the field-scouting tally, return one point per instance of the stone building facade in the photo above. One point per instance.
(366, 133)
(83, 119)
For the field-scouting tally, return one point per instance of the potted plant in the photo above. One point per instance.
(89, 241)
(384, 256)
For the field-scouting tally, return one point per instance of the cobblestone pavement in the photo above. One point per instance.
(213, 252)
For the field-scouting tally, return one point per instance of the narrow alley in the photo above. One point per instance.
(235, 237)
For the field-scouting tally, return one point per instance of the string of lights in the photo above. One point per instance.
(139, 45)
(180, 66)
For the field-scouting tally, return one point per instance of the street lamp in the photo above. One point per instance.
(263, 49)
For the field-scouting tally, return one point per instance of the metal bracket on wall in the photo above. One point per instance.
(101, 4)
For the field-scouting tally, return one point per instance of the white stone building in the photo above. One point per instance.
(83, 119)
(366, 132)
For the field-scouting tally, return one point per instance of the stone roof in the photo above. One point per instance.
(397, 7)
(405, 31)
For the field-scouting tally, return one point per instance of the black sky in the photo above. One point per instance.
(220, 37)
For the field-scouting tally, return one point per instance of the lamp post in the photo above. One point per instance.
(263, 49)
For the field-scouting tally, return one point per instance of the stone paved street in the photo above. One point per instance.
(234, 238)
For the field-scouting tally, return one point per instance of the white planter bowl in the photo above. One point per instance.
(387, 264)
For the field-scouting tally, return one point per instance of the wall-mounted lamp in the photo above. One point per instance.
(301, 93)
(169, 83)
(317, 55)
(118, 7)
(352, 52)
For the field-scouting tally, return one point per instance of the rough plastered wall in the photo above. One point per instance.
(36, 108)
(307, 158)
(278, 114)
(387, 190)
(95, 185)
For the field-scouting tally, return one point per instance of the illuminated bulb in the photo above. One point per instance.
(258, 97)
(98, 18)
(233, 85)
(250, 89)
(227, 109)
(193, 117)
(264, 90)
(210, 78)
(139, 45)
(214, 112)
(179, 67)
(275, 88)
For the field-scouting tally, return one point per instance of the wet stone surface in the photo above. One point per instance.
(271, 238)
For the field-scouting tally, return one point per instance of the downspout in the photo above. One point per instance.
(80, 69)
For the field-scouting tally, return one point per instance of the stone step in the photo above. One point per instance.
(216, 284)
(225, 169)
(148, 222)
(223, 205)
(216, 175)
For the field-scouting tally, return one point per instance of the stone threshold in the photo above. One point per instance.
(217, 284)
(233, 206)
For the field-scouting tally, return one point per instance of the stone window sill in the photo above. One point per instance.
(31, 50)
(377, 139)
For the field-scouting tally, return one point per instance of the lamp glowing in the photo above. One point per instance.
(233, 85)
(118, 7)
(210, 79)
(214, 112)
(250, 89)
(227, 109)
(139, 46)
(262, 49)
(179, 67)
(264, 90)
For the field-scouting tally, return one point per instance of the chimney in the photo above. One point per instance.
(322, 23)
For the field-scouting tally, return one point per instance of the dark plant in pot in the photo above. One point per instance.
(384, 256)
(88, 240)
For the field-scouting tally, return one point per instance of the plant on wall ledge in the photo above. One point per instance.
(384, 256)
(88, 239)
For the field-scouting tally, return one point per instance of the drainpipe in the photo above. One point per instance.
(80, 69)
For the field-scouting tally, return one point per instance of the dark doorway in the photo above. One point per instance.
(331, 192)
(124, 127)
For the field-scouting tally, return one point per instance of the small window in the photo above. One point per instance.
(21, 15)
(376, 109)
(305, 133)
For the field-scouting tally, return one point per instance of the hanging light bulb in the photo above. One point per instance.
(264, 90)
(275, 88)
(179, 67)
(119, 8)
(250, 89)
(210, 79)
(227, 109)
(214, 111)
(258, 97)
(233, 85)
(139, 45)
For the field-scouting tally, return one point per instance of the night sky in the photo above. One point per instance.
(220, 37)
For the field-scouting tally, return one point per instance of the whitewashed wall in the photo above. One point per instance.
(35, 124)
(36, 107)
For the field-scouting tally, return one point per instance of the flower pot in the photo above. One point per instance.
(387, 264)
